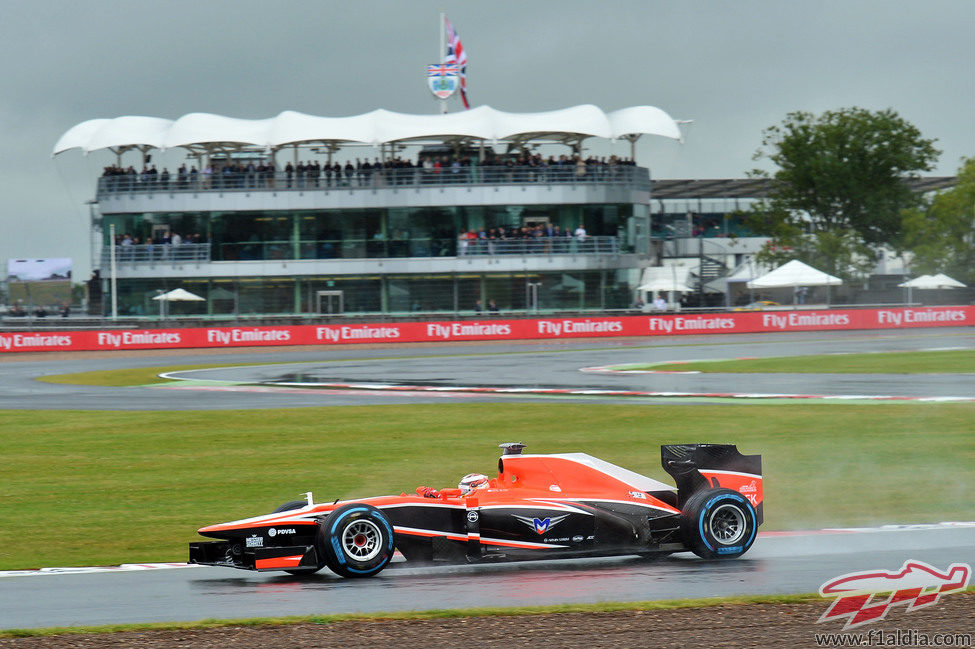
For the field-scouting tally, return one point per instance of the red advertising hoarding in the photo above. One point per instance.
(470, 330)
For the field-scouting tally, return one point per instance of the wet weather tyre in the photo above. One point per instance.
(287, 507)
(291, 504)
(356, 540)
(718, 524)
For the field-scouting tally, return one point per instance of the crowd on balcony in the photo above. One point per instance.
(541, 238)
(169, 245)
(428, 169)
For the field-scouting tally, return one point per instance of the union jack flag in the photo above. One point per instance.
(442, 70)
(457, 56)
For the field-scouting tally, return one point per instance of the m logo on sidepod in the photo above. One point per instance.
(541, 525)
(916, 585)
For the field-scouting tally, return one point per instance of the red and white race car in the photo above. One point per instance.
(538, 507)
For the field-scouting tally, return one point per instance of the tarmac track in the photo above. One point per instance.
(777, 564)
(533, 365)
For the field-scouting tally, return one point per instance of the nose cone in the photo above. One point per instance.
(212, 530)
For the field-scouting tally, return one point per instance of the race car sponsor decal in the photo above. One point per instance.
(541, 525)
(916, 585)
(254, 541)
(274, 531)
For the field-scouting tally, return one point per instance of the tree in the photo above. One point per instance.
(941, 233)
(839, 190)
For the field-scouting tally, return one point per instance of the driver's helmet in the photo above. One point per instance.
(473, 481)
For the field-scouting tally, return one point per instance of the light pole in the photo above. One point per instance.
(113, 274)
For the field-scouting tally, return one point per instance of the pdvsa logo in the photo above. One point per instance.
(915, 585)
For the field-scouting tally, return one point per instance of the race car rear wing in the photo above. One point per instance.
(710, 466)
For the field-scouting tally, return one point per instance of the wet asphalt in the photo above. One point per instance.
(536, 365)
(775, 565)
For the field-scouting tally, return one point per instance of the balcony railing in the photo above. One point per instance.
(163, 254)
(540, 246)
(230, 181)
(157, 253)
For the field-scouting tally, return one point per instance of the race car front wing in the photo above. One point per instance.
(237, 554)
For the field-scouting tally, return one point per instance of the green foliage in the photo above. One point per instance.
(941, 234)
(839, 189)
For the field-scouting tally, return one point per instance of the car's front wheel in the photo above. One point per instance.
(356, 540)
(718, 524)
(288, 506)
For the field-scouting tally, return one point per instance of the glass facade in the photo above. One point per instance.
(415, 232)
(368, 233)
(708, 217)
(401, 294)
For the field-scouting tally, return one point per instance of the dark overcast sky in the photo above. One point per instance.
(735, 68)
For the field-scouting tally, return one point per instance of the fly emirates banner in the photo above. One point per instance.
(500, 329)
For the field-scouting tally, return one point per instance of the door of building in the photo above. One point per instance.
(330, 302)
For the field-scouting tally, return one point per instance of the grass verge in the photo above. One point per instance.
(923, 362)
(130, 377)
(102, 488)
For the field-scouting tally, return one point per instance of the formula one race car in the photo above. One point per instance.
(539, 507)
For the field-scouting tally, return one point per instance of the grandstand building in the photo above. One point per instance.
(251, 230)
(448, 214)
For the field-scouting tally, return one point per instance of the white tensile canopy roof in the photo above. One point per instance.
(120, 133)
(794, 273)
(376, 127)
(932, 281)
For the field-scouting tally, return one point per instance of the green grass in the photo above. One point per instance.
(129, 377)
(923, 362)
(100, 488)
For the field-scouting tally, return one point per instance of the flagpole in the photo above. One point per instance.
(440, 54)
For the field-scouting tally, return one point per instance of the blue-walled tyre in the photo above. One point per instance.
(356, 541)
(290, 505)
(718, 524)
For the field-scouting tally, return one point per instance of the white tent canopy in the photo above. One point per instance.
(794, 273)
(743, 272)
(666, 279)
(932, 282)
(179, 295)
(376, 127)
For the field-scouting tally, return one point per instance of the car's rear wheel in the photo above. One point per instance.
(287, 507)
(356, 540)
(718, 524)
